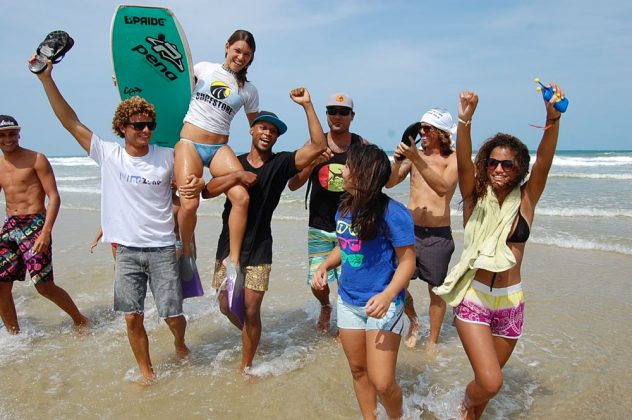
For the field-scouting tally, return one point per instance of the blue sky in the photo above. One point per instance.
(395, 58)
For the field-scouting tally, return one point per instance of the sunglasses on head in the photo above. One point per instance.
(140, 126)
(507, 164)
(339, 111)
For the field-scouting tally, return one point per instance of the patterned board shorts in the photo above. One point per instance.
(17, 237)
(320, 243)
(256, 277)
(501, 308)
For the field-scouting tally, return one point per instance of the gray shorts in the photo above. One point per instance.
(434, 247)
(135, 267)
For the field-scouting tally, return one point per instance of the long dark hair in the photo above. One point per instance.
(480, 162)
(243, 35)
(369, 169)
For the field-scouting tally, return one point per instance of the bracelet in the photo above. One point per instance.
(465, 122)
(553, 119)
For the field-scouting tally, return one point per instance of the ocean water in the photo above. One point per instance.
(572, 361)
(587, 203)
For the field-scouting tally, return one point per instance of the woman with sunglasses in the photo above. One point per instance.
(377, 258)
(498, 209)
(220, 91)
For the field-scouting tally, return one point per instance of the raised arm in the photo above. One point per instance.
(317, 139)
(65, 114)
(298, 180)
(441, 183)
(546, 149)
(47, 178)
(467, 105)
(399, 170)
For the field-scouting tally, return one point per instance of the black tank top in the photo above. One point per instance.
(325, 182)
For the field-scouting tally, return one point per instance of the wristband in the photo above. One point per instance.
(465, 122)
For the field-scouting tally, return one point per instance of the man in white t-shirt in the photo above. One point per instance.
(136, 214)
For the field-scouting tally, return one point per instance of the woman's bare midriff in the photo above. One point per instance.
(506, 278)
(199, 135)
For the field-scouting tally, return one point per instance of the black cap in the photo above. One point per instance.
(7, 122)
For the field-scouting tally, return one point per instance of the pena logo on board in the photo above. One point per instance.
(166, 51)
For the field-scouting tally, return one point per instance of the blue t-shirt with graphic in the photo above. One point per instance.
(368, 266)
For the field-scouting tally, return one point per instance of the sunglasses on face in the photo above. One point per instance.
(339, 111)
(426, 127)
(507, 165)
(140, 126)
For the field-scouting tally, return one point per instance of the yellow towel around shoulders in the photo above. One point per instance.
(484, 244)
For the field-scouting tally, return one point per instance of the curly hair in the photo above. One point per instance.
(369, 169)
(129, 107)
(446, 142)
(480, 162)
(248, 38)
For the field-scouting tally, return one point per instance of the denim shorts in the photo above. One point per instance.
(135, 267)
(353, 317)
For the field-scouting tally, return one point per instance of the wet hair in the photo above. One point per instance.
(129, 107)
(243, 35)
(369, 170)
(522, 159)
(446, 142)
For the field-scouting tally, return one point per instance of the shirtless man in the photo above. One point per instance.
(25, 239)
(432, 183)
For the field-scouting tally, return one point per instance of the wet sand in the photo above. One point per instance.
(571, 362)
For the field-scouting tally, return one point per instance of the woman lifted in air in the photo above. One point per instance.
(220, 91)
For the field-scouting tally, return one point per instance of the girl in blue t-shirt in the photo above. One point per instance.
(377, 258)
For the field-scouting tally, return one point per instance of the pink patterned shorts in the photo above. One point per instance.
(17, 237)
(501, 308)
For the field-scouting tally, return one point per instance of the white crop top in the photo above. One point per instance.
(217, 98)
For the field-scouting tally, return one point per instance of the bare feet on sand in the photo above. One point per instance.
(147, 381)
(82, 325)
(323, 320)
(182, 351)
(413, 332)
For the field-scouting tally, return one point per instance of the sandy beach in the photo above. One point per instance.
(571, 361)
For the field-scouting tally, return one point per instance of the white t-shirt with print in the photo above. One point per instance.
(217, 98)
(136, 203)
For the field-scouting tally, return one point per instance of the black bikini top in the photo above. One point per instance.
(519, 236)
(522, 231)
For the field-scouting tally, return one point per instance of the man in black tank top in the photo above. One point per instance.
(325, 189)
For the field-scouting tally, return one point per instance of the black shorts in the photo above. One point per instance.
(433, 247)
